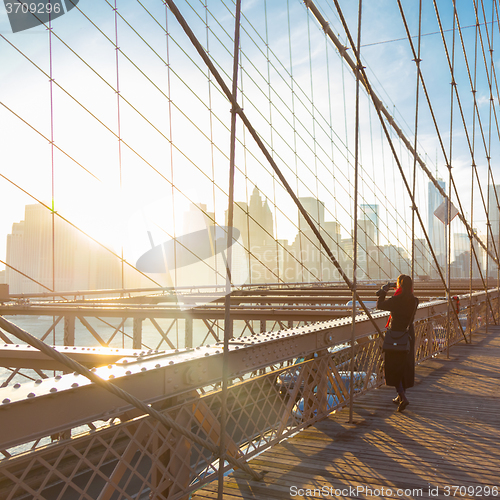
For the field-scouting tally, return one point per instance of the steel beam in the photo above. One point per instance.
(71, 400)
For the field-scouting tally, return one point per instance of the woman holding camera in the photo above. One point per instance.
(399, 366)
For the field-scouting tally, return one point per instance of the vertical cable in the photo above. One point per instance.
(355, 236)
(447, 227)
(210, 118)
(311, 254)
(298, 240)
(491, 110)
(171, 155)
(117, 49)
(492, 106)
(228, 324)
(489, 233)
(274, 269)
(473, 167)
(52, 206)
(330, 124)
(417, 62)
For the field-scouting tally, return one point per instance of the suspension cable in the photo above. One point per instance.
(395, 156)
(266, 153)
(470, 230)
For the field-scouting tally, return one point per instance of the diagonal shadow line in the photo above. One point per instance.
(424, 445)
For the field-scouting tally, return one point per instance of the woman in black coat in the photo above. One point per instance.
(400, 365)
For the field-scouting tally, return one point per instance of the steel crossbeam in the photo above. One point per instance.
(24, 356)
(269, 399)
(71, 399)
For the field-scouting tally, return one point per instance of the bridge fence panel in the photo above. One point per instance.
(126, 454)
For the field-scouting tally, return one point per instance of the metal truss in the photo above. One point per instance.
(68, 437)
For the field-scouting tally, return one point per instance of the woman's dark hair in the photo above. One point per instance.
(406, 284)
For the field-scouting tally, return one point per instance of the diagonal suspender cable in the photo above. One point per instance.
(120, 393)
(473, 166)
(492, 108)
(258, 140)
(378, 106)
(455, 88)
(438, 132)
(119, 125)
(383, 110)
(76, 227)
(26, 276)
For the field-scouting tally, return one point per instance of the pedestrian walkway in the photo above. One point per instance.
(446, 444)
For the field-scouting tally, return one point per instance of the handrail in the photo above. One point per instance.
(270, 396)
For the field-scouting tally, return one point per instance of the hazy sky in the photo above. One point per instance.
(115, 157)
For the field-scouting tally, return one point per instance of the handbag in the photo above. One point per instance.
(395, 340)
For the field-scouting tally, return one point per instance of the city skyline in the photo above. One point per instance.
(109, 130)
(78, 263)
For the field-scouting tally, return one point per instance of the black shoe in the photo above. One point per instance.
(404, 403)
(397, 400)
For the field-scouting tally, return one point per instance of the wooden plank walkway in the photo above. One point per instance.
(448, 437)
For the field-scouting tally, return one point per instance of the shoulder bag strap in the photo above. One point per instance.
(413, 315)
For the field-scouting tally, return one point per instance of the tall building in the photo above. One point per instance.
(493, 208)
(369, 212)
(435, 228)
(494, 220)
(46, 250)
(421, 257)
(310, 263)
(261, 220)
(316, 210)
(461, 244)
(367, 250)
(255, 223)
(330, 231)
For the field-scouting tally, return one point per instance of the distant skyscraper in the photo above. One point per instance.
(255, 223)
(306, 245)
(435, 228)
(56, 255)
(261, 220)
(494, 220)
(316, 210)
(493, 211)
(422, 265)
(461, 244)
(370, 213)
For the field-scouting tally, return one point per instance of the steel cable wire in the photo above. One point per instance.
(316, 176)
(459, 103)
(387, 134)
(315, 109)
(439, 135)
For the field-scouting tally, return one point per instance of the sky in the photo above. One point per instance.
(166, 138)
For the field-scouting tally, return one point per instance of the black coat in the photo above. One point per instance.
(400, 366)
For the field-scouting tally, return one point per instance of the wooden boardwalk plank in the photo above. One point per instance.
(448, 436)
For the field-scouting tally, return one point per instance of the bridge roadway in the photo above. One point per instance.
(448, 437)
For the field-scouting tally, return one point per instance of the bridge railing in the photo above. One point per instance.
(65, 437)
